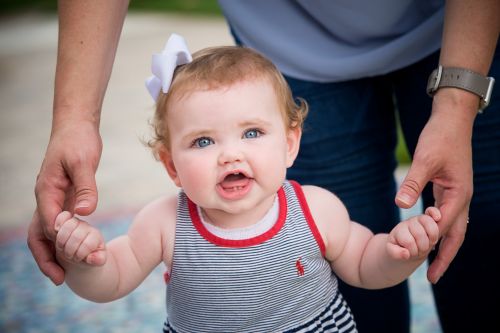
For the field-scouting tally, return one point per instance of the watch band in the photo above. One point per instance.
(464, 79)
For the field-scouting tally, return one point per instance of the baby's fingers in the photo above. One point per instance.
(433, 212)
(92, 242)
(65, 230)
(61, 218)
(398, 252)
(76, 239)
(431, 227)
(96, 258)
(421, 238)
(77, 242)
(403, 237)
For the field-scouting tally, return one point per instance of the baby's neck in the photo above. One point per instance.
(225, 221)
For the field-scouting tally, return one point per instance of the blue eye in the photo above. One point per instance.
(202, 142)
(252, 133)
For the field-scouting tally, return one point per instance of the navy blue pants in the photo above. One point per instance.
(348, 147)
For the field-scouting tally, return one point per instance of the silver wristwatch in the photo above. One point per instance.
(464, 79)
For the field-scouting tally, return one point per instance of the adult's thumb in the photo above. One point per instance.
(85, 192)
(411, 187)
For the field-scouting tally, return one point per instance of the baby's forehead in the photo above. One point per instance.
(252, 96)
(221, 80)
(186, 89)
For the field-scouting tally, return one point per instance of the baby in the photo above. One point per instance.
(245, 249)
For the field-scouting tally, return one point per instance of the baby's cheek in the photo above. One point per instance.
(197, 179)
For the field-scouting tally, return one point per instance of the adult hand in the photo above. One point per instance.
(444, 156)
(66, 182)
(44, 251)
(88, 37)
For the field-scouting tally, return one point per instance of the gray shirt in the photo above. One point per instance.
(338, 40)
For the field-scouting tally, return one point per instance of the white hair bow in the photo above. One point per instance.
(174, 54)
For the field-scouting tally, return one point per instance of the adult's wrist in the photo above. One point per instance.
(456, 100)
(64, 117)
(455, 107)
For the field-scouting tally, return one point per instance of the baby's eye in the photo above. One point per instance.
(202, 142)
(252, 133)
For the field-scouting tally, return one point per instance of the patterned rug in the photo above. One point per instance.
(29, 302)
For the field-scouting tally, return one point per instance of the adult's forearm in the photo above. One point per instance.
(470, 36)
(88, 38)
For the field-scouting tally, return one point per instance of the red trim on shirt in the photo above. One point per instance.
(205, 233)
(308, 216)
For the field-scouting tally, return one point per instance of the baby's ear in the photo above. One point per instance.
(293, 143)
(166, 158)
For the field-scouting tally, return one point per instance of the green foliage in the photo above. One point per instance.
(205, 7)
(402, 155)
(17, 6)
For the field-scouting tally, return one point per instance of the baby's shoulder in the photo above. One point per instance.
(330, 216)
(322, 200)
(160, 213)
(153, 228)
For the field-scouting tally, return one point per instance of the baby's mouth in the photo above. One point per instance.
(234, 182)
(235, 185)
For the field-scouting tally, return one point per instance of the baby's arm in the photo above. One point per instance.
(103, 273)
(390, 259)
(363, 259)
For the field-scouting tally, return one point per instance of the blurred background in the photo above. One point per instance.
(128, 176)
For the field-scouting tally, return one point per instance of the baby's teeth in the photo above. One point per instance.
(236, 188)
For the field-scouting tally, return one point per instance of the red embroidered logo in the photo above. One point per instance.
(166, 277)
(300, 268)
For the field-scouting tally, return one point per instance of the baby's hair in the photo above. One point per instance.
(217, 67)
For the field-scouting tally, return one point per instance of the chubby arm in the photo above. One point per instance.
(363, 259)
(103, 273)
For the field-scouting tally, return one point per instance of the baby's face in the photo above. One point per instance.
(229, 147)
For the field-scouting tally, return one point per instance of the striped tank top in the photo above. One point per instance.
(278, 281)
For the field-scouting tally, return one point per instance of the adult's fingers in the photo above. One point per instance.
(448, 249)
(50, 191)
(43, 251)
(452, 226)
(85, 189)
(412, 186)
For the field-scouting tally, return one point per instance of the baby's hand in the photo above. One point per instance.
(415, 237)
(78, 241)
